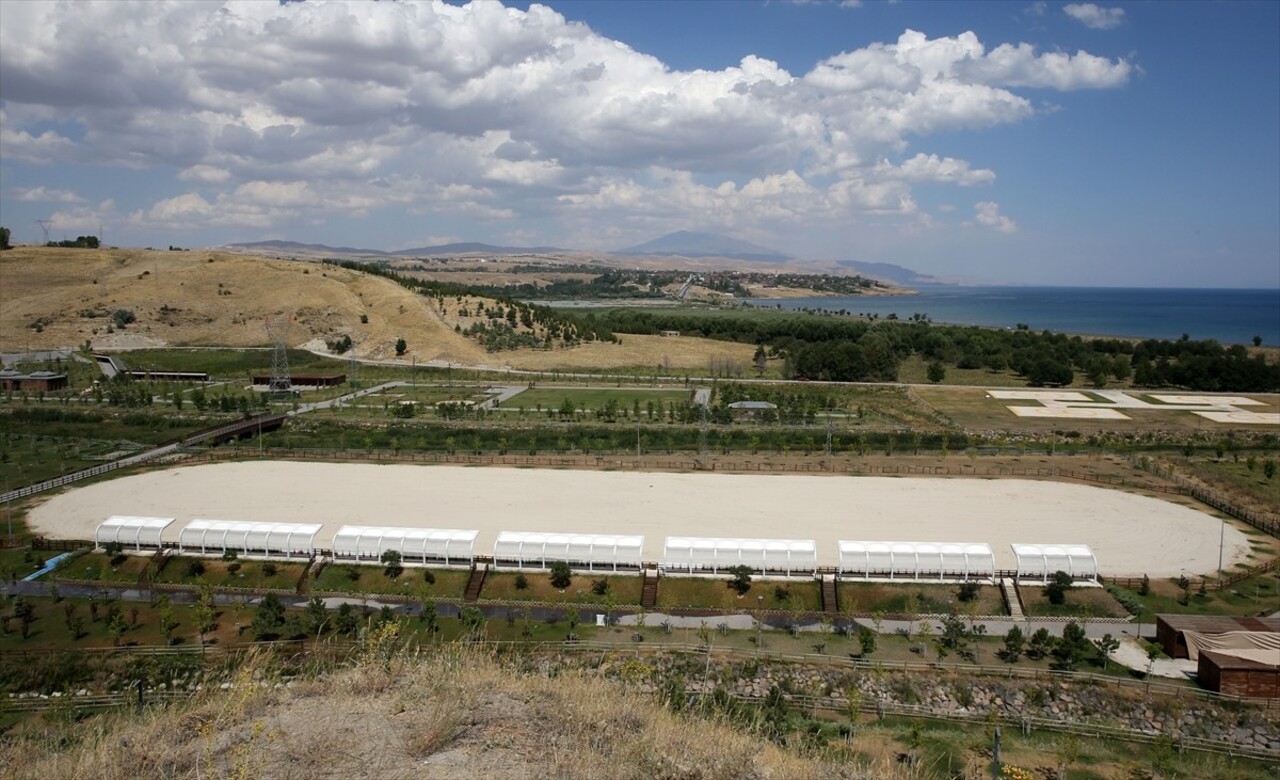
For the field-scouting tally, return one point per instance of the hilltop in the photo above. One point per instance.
(66, 297)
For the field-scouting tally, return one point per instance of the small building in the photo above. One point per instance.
(36, 381)
(749, 410)
(305, 380)
(669, 334)
(1171, 629)
(1249, 674)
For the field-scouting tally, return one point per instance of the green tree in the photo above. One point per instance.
(168, 621)
(269, 618)
(866, 641)
(561, 576)
(347, 621)
(205, 612)
(115, 627)
(391, 560)
(401, 347)
(740, 579)
(1014, 642)
(1106, 646)
(936, 372)
(1039, 645)
(317, 617)
(1056, 590)
(1269, 469)
(4, 244)
(1071, 648)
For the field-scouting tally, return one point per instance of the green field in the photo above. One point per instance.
(895, 598)
(370, 579)
(715, 593)
(622, 590)
(593, 397)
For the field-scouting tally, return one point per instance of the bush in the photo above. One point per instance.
(429, 576)
(967, 592)
(269, 569)
(600, 587)
(522, 582)
(1056, 589)
(195, 568)
(740, 579)
(233, 567)
(560, 575)
(229, 555)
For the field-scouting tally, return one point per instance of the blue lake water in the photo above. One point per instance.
(1229, 316)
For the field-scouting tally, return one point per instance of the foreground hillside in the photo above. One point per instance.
(454, 712)
(54, 298)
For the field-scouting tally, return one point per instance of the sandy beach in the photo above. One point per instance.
(1129, 534)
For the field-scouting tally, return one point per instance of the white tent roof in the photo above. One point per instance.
(916, 558)
(1044, 559)
(372, 541)
(692, 553)
(590, 549)
(130, 530)
(248, 536)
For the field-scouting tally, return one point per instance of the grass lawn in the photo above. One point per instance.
(868, 597)
(240, 573)
(104, 568)
(449, 583)
(592, 397)
(797, 594)
(50, 629)
(1258, 595)
(1081, 602)
(624, 589)
(1236, 476)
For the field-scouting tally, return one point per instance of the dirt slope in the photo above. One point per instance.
(63, 297)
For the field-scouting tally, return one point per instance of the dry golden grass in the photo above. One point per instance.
(451, 712)
(207, 298)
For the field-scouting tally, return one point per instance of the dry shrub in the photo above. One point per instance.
(451, 711)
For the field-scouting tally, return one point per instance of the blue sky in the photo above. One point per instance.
(1124, 144)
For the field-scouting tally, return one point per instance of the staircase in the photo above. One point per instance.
(830, 597)
(649, 594)
(476, 582)
(1012, 598)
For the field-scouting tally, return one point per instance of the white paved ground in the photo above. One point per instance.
(1130, 534)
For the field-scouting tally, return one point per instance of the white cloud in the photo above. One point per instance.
(988, 214)
(303, 111)
(1094, 16)
(85, 219)
(46, 195)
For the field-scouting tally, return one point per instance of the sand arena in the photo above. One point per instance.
(1129, 534)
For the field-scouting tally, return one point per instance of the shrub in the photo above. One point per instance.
(522, 581)
(269, 569)
(561, 577)
(967, 592)
(195, 568)
(1056, 590)
(229, 555)
(233, 567)
(429, 576)
(600, 587)
(740, 579)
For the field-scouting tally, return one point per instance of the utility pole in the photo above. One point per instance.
(995, 764)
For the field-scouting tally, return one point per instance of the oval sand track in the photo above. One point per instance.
(1129, 534)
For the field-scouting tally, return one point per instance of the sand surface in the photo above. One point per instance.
(1129, 534)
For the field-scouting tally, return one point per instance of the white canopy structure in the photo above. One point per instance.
(415, 545)
(133, 532)
(695, 555)
(916, 560)
(1038, 561)
(593, 552)
(248, 538)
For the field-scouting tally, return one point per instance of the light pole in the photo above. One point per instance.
(1222, 537)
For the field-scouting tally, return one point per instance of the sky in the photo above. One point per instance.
(1111, 144)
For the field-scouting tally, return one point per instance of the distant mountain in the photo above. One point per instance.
(685, 243)
(472, 247)
(294, 246)
(895, 273)
(441, 249)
